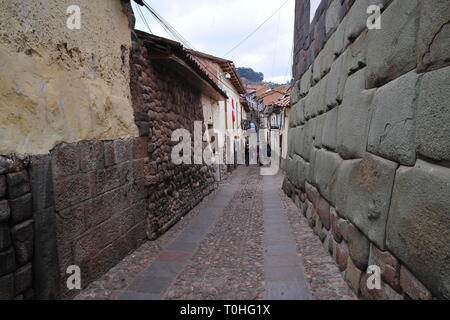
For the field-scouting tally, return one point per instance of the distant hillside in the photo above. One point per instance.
(251, 75)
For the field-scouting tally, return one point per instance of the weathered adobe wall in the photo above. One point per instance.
(79, 202)
(369, 141)
(61, 85)
(163, 101)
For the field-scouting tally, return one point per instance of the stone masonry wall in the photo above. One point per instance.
(16, 230)
(369, 141)
(82, 202)
(163, 101)
(100, 203)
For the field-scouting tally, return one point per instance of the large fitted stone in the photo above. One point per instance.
(326, 169)
(336, 82)
(342, 188)
(356, 20)
(332, 16)
(369, 194)
(308, 135)
(312, 166)
(433, 46)
(298, 136)
(300, 171)
(320, 120)
(338, 37)
(291, 142)
(329, 132)
(353, 118)
(419, 223)
(433, 115)
(392, 127)
(312, 102)
(392, 50)
(301, 112)
(305, 82)
(321, 105)
(356, 54)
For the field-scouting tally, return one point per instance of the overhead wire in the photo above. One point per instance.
(256, 30)
(166, 25)
(143, 18)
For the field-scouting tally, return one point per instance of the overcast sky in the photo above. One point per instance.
(216, 26)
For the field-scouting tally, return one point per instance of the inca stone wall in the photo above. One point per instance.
(16, 230)
(163, 102)
(100, 203)
(369, 149)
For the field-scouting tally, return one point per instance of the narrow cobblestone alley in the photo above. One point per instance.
(245, 241)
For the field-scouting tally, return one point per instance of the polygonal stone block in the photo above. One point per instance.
(329, 132)
(392, 128)
(433, 115)
(326, 170)
(321, 105)
(18, 184)
(356, 54)
(336, 83)
(369, 195)
(419, 224)
(391, 51)
(342, 189)
(305, 82)
(320, 120)
(353, 118)
(21, 208)
(22, 238)
(332, 17)
(433, 47)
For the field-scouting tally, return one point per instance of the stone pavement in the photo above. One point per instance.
(241, 243)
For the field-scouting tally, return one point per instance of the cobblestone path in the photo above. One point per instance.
(245, 241)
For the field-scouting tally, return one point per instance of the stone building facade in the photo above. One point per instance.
(85, 170)
(165, 101)
(368, 161)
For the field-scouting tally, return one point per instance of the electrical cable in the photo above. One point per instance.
(143, 18)
(254, 31)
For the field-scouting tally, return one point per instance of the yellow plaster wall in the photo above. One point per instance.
(61, 85)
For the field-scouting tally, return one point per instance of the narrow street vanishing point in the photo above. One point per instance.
(243, 242)
(250, 150)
